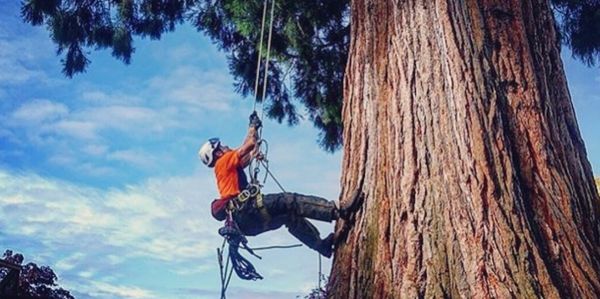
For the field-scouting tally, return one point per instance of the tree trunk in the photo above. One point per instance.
(459, 127)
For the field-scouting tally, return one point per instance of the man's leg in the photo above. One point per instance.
(308, 206)
(308, 234)
(252, 222)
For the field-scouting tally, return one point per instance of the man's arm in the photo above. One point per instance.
(246, 150)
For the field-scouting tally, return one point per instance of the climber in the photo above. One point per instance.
(260, 213)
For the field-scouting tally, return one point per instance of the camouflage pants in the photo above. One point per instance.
(289, 209)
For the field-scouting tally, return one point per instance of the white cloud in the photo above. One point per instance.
(95, 96)
(15, 73)
(69, 262)
(195, 88)
(39, 111)
(95, 149)
(134, 157)
(59, 212)
(119, 115)
(130, 119)
(14, 62)
(113, 97)
(190, 52)
(122, 291)
(14, 200)
(86, 274)
(62, 160)
(74, 128)
(20, 54)
(183, 53)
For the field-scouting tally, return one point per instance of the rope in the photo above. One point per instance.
(225, 278)
(267, 58)
(265, 78)
(272, 176)
(266, 75)
(256, 80)
(320, 272)
(242, 267)
(262, 31)
(277, 247)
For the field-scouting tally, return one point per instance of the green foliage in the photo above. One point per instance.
(77, 25)
(308, 55)
(34, 282)
(580, 27)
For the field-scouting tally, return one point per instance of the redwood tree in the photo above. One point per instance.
(459, 123)
(457, 126)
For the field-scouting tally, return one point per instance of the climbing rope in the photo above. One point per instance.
(266, 75)
(258, 61)
(266, 166)
(264, 162)
(253, 169)
(242, 267)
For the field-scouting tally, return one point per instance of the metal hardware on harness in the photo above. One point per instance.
(237, 203)
(251, 191)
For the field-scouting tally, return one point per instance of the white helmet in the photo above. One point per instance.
(207, 151)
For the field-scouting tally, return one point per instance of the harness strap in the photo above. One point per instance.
(252, 191)
(261, 208)
(236, 205)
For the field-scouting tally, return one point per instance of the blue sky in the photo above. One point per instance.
(99, 177)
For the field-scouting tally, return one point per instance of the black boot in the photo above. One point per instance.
(325, 246)
(349, 207)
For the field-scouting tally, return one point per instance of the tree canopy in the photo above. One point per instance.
(34, 281)
(308, 54)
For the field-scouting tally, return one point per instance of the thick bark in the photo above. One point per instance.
(459, 127)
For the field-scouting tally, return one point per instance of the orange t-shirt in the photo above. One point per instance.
(231, 179)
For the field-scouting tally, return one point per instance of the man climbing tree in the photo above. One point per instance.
(457, 125)
(255, 213)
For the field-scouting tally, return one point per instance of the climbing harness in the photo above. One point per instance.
(252, 191)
